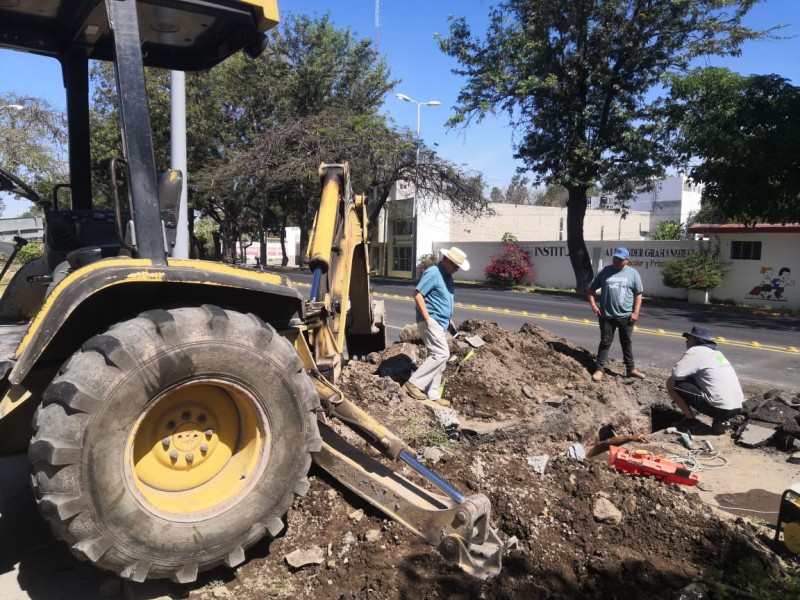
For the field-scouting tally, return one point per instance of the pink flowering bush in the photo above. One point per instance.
(510, 266)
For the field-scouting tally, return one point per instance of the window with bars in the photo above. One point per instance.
(401, 258)
(746, 250)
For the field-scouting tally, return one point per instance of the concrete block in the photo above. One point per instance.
(755, 436)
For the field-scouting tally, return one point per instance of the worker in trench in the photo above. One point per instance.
(704, 381)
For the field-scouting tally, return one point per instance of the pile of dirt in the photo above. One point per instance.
(521, 395)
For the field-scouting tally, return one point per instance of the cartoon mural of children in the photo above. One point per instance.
(780, 283)
(763, 289)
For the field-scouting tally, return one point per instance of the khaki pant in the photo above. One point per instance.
(428, 377)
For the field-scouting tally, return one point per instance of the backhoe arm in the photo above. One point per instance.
(338, 257)
(458, 525)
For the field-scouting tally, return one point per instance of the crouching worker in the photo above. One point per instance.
(705, 381)
(434, 300)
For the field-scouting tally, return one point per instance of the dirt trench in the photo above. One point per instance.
(523, 394)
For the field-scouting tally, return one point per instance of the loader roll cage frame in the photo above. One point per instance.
(153, 427)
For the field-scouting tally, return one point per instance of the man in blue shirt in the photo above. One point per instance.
(620, 300)
(433, 298)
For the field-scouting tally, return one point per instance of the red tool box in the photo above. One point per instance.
(644, 463)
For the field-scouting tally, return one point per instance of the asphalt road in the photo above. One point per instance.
(761, 347)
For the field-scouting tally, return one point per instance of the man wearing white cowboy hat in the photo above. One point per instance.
(434, 300)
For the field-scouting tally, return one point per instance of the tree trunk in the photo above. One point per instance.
(285, 257)
(578, 255)
(305, 227)
(262, 239)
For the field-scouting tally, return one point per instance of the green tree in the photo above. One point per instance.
(552, 195)
(325, 89)
(32, 142)
(573, 78)
(709, 213)
(497, 195)
(746, 133)
(517, 191)
(258, 130)
(669, 230)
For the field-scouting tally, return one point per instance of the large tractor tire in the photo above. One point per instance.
(173, 442)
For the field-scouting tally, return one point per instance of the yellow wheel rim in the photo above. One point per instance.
(197, 449)
(791, 537)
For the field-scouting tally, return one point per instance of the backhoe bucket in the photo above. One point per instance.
(460, 531)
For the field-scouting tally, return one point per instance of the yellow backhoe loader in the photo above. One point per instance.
(176, 405)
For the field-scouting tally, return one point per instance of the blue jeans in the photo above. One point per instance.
(607, 328)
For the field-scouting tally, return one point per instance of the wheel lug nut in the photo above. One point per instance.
(173, 456)
(190, 458)
(165, 442)
(208, 433)
(203, 448)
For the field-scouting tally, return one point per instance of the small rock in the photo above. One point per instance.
(433, 454)
(347, 540)
(538, 463)
(309, 556)
(605, 512)
(221, 592)
(356, 515)
(528, 392)
(373, 535)
(576, 451)
(447, 417)
(794, 458)
(556, 400)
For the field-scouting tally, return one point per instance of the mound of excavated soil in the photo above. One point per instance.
(520, 395)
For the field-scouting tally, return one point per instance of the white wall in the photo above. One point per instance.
(30, 228)
(274, 253)
(547, 223)
(552, 267)
(779, 251)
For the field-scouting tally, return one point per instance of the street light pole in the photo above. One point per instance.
(405, 98)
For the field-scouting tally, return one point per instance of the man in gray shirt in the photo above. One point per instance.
(704, 380)
(620, 301)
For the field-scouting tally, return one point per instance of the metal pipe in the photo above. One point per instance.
(432, 477)
(315, 284)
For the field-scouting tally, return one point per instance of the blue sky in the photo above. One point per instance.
(406, 38)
